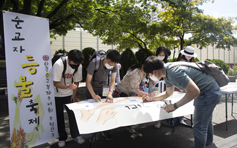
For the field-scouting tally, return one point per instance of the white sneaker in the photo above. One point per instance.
(61, 143)
(183, 122)
(157, 125)
(79, 139)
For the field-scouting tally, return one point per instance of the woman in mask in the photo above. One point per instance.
(162, 53)
(130, 85)
(187, 54)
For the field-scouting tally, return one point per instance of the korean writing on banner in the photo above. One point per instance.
(30, 86)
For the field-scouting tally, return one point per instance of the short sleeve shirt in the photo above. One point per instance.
(130, 82)
(180, 76)
(100, 76)
(58, 77)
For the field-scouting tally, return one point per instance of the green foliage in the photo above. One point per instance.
(63, 15)
(127, 60)
(197, 60)
(87, 52)
(143, 53)
(60, 51)
(220, 63)
(173, 60)
(233, 70)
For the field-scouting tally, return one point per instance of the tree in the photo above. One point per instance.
(183, 17)
(63, 15)
(124, 24)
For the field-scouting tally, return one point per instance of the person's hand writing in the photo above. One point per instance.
(169, 108)
(110, 98)
(96, 98)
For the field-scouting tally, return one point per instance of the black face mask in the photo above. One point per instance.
(73, 66)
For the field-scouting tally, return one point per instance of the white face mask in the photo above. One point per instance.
(108, 66)
(188, 57)
(161, 57)
(153, 78)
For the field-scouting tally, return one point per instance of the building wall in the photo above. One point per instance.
(77, 39)
(80, 39)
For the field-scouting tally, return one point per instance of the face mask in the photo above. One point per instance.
(108, 66)
(73, 66)
(161, 58)
(153, 78)
(188, 57)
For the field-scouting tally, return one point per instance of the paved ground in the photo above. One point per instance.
(182, 137)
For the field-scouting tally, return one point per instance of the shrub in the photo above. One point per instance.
(233, 70)
(143, 53)
(87, 52)
(173, 60)
(127, 60)
(60, 51)
(220, 63)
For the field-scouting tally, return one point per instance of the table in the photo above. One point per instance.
(228, 90)
(95, 117)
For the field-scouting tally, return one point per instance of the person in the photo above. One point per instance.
(131, 82)
(187, 54)
(96, 81)
(198, 86)
(162, 53)
(65, 92)
(117, 79)
(130, 85)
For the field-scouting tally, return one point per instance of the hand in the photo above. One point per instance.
(73, 98)
(152, 94)
(105, 114)
(146, 98)
(72, 86)
(86, 114)
(96, 98)
(110, 98)
(169, 108)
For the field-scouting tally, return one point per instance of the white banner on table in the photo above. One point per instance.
(29, 81)
(94, 117)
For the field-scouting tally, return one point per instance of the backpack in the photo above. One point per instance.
(97, 55)
(63, 58)
(206, 67)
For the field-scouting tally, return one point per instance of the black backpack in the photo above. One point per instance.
(63, 58)
(206, 67)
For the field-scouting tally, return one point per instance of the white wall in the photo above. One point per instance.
(73, 40)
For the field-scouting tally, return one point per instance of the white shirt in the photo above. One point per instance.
(57, 76)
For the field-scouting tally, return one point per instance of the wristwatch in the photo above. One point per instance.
(175, 106)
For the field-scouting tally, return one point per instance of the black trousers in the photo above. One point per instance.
(60, 104)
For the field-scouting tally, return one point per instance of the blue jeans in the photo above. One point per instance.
(204, 106)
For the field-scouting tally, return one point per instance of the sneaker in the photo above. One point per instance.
(107, 136)
(158, 124)
(130, 129)
(61, 143)
(183, 122)
(79, 139)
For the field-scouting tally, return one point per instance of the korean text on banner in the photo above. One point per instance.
(31, 103)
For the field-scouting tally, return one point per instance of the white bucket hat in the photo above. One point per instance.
(188, 51)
